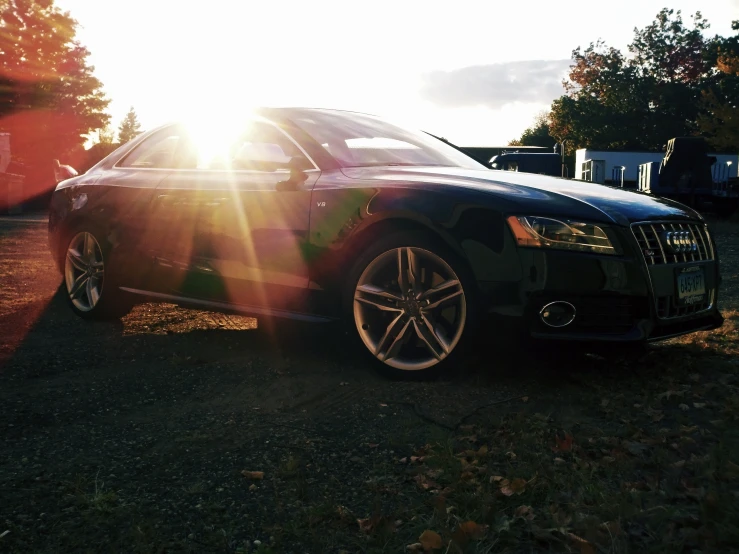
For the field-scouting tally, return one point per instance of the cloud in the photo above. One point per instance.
(495, 85)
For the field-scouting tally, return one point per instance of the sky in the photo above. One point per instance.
(475, 72)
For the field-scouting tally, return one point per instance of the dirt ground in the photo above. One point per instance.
(184, 431)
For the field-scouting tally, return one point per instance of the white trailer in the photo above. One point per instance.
(726, 164)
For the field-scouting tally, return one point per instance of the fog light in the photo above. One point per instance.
(558, 314)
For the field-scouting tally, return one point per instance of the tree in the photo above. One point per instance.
(129, 127)
(719, 121)
(638, 101)
(537, 134)
(49, 98)
(105, 136)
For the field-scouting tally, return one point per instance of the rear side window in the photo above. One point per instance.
(156, 152)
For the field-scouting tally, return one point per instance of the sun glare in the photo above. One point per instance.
(215, 134)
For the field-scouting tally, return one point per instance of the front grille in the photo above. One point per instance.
(655, 252)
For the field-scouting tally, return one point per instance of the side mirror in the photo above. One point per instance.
(297, 166)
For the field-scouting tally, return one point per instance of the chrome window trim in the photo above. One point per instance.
(258, 119)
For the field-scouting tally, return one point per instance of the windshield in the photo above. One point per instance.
(358, 140)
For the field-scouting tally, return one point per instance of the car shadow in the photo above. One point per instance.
(193, 360)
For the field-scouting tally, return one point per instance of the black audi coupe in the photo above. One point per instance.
(324, 215)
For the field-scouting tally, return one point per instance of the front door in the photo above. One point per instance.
(249, 221)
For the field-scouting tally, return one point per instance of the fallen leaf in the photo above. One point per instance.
(415, 547)
(585, 546)
(496, 478)
(563, 445)
(473, 530)
(253, 474)
(366, 525)
(252, 487)
(482, 451)
(517, 486)
(430, 540)
(511, 455)
(468, 531)
(426, 483)
(684, 407)
(525, 512)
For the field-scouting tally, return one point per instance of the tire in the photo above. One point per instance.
(424, 331)
(88, 277)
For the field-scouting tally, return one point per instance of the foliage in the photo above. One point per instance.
(641, 100)
(129, 127)
(537, 134)
(719, 121)
(49, 97)
(105, 135)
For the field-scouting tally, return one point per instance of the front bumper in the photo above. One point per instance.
(617, 298)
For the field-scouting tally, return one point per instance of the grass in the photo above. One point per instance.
(645, 459)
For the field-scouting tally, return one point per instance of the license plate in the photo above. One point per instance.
(691, 285)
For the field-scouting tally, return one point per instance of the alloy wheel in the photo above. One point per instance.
(410, 308)
(84, 271)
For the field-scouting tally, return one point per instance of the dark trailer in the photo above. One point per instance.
(528, 162)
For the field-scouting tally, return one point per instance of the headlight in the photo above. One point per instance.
(564, 234)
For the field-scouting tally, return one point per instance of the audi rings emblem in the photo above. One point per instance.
(680, 242)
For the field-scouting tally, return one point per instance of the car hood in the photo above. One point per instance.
(538, 194)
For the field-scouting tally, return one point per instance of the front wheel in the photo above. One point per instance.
(88, 282)
(412, 304)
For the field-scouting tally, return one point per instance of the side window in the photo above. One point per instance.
(157, 151)
(262, 147)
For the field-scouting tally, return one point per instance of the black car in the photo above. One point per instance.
(322, 215)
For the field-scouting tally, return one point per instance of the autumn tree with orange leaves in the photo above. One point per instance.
(49, 97)
(674, 80)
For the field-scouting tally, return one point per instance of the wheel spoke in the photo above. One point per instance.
(396, 330)
(76, 260)
(92, 293)
(88, 292)
(439, 288)
(443, 300)
(79, 286)
(377, 297)
(88, 247)
(428, 336)
(407, 270)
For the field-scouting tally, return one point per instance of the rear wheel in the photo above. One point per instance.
(411, 304)
(88, 279)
